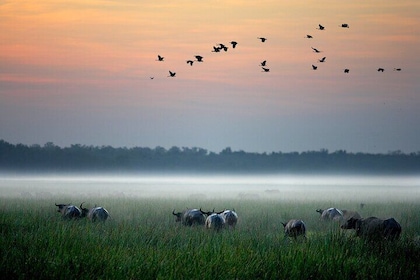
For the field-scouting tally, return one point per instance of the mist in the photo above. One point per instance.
(331, 188)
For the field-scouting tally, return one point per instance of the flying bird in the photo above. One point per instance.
(216, 49)
(160, 58)
(309, 36)
(316, 50)
(345, 25)
(171, 74)
(199, 58)
(397, 69)
(322, 59)
(262, 39)
(263, 63)
(190, 62)
(314, 67)
(222, 46)
(381, 69)
(265, 69)
(234, 43)
(346, 71)
(320, 27)
(151, 78)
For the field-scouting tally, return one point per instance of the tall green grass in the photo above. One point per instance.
(142, 241)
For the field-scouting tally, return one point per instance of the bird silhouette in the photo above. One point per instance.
(316, 50)
(199, 58)
(262, 39)
(263, 63)
(345, 25)
(160, 58)
(216, 49)
(223, 47)
(322, 59)
(381, 69)
(234, 43)
(346, 71)
(309, 36)
(171, 74)
(320, 27)
(190, 62)
(151, 78)
(265, 69)
(314, 67)
(397, 69)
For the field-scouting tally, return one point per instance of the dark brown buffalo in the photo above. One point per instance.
(373, 228)
(190, 217)
(294, 228)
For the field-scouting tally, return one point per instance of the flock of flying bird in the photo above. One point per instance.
(322, 60)
(263, 64)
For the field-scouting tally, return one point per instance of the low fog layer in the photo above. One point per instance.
(349, 188)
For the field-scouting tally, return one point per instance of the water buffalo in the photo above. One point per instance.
(190, 217)
(231, 218)
(294, 228)
(215, 221)
(69, 211)
(95, 214)
(373, 228)
(330, 214)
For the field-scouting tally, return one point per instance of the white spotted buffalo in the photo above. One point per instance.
(294, 228)
(373, 228)
(190, 217)
(94, 214)
(231, 218)
(330, 214)
(69, 211)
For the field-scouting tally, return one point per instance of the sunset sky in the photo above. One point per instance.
(78, 72)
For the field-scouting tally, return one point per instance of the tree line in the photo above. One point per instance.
(80, 158)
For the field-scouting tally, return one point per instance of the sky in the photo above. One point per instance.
(79, 72)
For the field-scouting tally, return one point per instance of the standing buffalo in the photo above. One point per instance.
(95, 214)
(373, 228)
(190, 217)
(69, 211)
(294, 228)
(215, 221)
(231, 218)
(330, 214)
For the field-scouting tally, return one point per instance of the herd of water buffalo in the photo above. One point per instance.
(370, 228)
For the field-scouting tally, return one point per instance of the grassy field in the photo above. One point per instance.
(142, 241)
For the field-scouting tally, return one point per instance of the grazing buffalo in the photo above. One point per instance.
(373, 228)
(294, 228)
(95, 214)
(231, 218)
(69, 211)
(330, 214)
(190, 217)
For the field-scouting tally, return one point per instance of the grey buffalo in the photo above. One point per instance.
(373, 228)
(294, 228)
(330, 214)
(94, 214)
(231, 218)
(69, 211)
(215, 221)
(190, 217)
